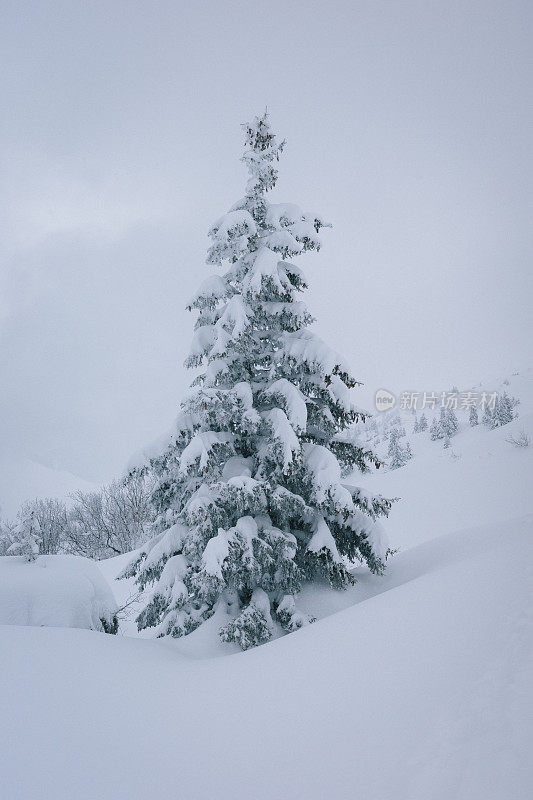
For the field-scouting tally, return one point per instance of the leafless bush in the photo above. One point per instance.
(98, 524)
(49, 523)
(110, 521)
(51, 518)
(521, 439)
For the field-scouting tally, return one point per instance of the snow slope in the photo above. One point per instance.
(418, 688)
(22, 479)
(519, 385)
(480, 479)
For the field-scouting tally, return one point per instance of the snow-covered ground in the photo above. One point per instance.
(414, 686)
(482, 478)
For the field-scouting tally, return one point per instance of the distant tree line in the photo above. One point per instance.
(98, 524)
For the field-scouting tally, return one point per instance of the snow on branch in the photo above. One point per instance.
(200, 448)
(292, 400)
(306, 347)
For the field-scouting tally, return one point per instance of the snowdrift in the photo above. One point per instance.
(56, 591)
(421, 691)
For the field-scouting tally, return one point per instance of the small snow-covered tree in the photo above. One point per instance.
(473, 417)
(394, 451)
(435, 430)
(398, 454)
(26, 536)
(488, 417)
(250, 497)
(423, 423)
(445, 426)
(448, 422)
(503, 410)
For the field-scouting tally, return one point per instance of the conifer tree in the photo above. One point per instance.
(26, 537)
(423, 423)
(435, 429)
(473, 417)
(394, 451)
(503, 410)
(488, 418)
(250, 501)
(398, 455)
(448, 422)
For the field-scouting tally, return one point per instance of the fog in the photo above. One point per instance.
(408, 126)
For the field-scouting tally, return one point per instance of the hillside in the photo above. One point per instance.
(23, 479)
(480, 479)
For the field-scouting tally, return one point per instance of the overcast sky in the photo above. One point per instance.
(408, 126)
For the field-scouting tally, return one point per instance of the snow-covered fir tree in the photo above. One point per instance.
(435, 430)
(503, 410)
(398, 454)
(394, 451)
(473, 417)
(250, 497)
(423, 423)
(445, 426)
(488, 418)
(448, 421)
(416, 426)
(25, 537)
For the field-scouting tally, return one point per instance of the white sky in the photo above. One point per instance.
(408, 125)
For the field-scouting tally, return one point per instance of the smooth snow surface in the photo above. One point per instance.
(421, 691)
(59, 591)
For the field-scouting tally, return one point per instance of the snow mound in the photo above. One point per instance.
(59, 591)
